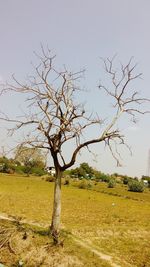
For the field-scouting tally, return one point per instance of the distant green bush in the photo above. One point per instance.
(28, 170)
(20, 169)
(37, 171)
(97, 175)
(126, 180)
(84, 171)
(111, 183)
(135, 186)
(84, 184)
(11, 166)
(104, 177)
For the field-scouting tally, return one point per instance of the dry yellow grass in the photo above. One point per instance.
(114, 225)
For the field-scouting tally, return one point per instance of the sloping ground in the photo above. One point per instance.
(116, 225)
(26, 244)
(97, 252)
(110, 223)
(123, 249)
(22, 246)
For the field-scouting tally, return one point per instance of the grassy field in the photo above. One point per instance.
(114, 221)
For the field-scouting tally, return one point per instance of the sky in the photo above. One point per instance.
(80, 32)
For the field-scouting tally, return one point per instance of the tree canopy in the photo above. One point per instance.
(54, 115)
(28, 156)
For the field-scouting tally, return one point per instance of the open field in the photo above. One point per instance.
(113, 221)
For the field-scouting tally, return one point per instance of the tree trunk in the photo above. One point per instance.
(55, 225)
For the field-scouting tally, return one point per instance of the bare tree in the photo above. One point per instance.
(54, 117)
(27, 155)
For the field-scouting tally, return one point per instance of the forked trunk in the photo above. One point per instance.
(55, 225)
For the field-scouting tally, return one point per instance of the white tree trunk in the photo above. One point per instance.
(55, 225)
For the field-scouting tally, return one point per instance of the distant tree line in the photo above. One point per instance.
(85, 172)
(32, 161)
(26, 161)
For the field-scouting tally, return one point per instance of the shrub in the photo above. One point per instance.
(10, 170)
(116, 174)
(27, 169)
(66, 182)
(97, 176)
(37, 171)
(84, 184)
(19, 169)
(118, 181)
(126, 179)
(111, 183)
(104, 177)
(135, 186)
(50, 179)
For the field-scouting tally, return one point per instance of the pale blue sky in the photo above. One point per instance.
(80, 32)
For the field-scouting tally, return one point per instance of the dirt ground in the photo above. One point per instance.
(22, 246)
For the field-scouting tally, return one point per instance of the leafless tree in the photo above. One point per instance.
(28, 155)
(54, 117)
